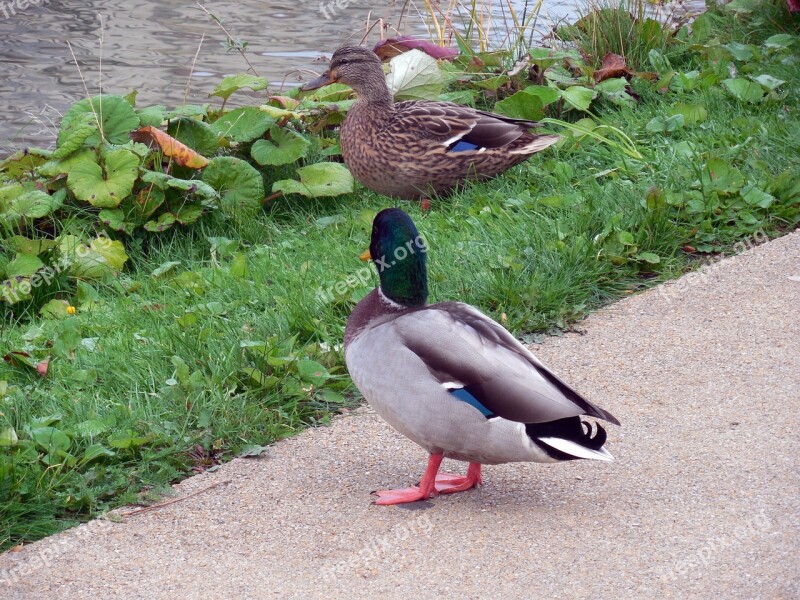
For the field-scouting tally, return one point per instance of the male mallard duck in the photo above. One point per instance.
(453, 380)
(410, 149)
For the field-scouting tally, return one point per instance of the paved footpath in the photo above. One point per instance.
(703, 500)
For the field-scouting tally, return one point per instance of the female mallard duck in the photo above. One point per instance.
(411, 149)
(453, 380)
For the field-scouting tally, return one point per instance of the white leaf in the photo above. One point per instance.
(414, 76)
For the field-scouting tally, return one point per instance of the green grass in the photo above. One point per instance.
(620, 27)
(160, 375)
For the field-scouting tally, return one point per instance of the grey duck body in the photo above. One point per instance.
(404, 360)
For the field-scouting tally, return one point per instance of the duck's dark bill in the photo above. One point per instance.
(322, 80)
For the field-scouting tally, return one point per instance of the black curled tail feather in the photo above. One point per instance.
(570, 428)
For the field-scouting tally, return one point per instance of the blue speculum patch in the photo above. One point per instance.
(462, 146)
(463, 395)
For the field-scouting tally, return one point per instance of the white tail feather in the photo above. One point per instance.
(576, 450)
(537, 145)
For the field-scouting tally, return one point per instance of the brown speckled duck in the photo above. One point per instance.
(415, 148)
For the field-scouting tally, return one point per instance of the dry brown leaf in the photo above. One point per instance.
(179, 152)
(613, 65)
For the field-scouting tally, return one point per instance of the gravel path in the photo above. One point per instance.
(703, 500)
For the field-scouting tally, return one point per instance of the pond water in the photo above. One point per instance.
(150, 45)
(154, 45)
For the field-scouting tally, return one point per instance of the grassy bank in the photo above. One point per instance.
(224, 335)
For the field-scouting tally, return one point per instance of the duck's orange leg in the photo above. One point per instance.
(450, 484)
(425, 489)
(432, 484)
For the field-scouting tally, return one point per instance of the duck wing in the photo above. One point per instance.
(458, 128)
(466, 350)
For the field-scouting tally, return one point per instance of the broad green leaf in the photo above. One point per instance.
(223, 246)
(665, 124)
(243, 124)
(199, 136)
(96, 451)
(312, 372)
(152, 115)
(283, 147)
(238, 266)
(97, 261)
(521, 105)
(414, 75)
(240, 186)
(23, 162)
(560, 76)
(321, 179)
(90, 428)
(114, 218)
(51, 439)
(578, 96)
(188, 213)
(15, 290)
(743, 6)
(107, 186)
(659, 62)
(756, 197)
(649, 257)
(740, 51)
(492, 83)
(704, 26)
(626, 238)
(147, 201)
(189, 110)
(616, 90)
(744, 90)
(194, 186)
(333, 397)
(255, 378)
(465, 97)
(769, 82)
(17, 203)
(545, 57)
(124, 440)
(55, 309)
(719, 176)
(780, 41)
(24, 245)
(692, 113)
(234, 83)
(74, 134)
(86, 294)
(113, 251)
(335, 92)
(166, 268)
(117, 118)
(8, 437)
(545, 94)
(164, 222)
(24, 265)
